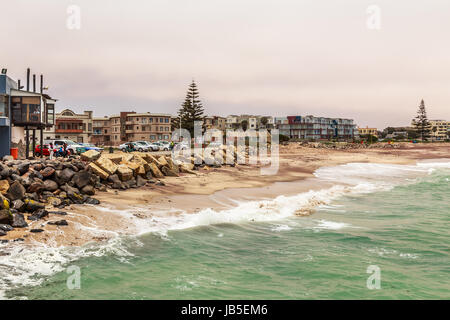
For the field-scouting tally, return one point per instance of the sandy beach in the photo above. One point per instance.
(121, 211)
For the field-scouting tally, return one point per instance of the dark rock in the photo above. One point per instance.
(5, 216)
(82, 178)
(89, 190)
(16, 191)
(19, 239)
(68, 189)
(32, 205)
(23, 167)
(19, 221)
(37, 174)
(113, 178)
(36, 230)
(66, 175)
(50, 185)
(93, 201)
(19, 205)
(140, 182)
(39, 214)
(6, 227)
(59, 223)
(2, 233)
(160, 183)
(61, 213)
(149, 175)
(37, 166)
(37, 187)
(48, 172)
(4, 241)
(75, 197)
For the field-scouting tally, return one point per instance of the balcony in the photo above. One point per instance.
(68, 131)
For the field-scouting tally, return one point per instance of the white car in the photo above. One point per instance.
(138, 146)
(152, 146)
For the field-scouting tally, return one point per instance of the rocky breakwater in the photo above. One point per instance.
(32, 190)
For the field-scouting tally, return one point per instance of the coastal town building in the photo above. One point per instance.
(254, 122)
(131, 126)
(367, 131)
(71, 126)
(215, 122)
(24, 115)
(317, 128)
(439, 130)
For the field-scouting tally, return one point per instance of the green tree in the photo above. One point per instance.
(191, 110)
(264, 121)
(421, 123)
(244, 125)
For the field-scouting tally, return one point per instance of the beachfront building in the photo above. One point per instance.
(254, 122)
(215, 122)
(439, 130)
(71, 126)
(367, 131)
(319, 128)
(24, 115)
(131, 126)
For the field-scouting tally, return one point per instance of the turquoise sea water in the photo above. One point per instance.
(403, 229)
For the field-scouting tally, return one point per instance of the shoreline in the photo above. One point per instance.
(215, 188)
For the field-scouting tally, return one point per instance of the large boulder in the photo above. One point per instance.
(90, 155)
(18, 221)
(50, 185)
(23, 167)
(18, 205)
(32, 205)
(89, 190)
(16, 191)
(4, 186)
(5, 216)
(124, 172)
(140, 182)
(66, 175)
(39, 214)
(155, 171)
(106, 165)
(169, 172)
(172, 165)
(37, 187)
(82, 178)
(98, 171)
(47, 172)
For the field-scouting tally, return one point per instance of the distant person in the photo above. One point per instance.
(171, 145)
(50, 150)
(64, 150)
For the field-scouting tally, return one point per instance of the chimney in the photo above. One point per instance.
(28, 79)
(34, 83)
(42, 83)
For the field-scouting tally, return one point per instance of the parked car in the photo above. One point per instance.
(46, 151)
(90, 146)
(163, 145)
(141, 147)
(152, 146)
(72, 146)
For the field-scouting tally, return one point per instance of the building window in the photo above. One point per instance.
(167, 120)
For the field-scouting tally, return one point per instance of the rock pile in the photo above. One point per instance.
(348, 145)
(29, 188)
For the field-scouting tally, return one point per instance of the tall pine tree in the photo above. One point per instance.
(191, 110)
(421, 123)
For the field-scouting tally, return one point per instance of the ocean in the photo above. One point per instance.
(394, 219)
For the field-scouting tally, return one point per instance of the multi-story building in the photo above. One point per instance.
(253, 122)
(367, 130)
(24, 114)
(131, 126)
(439, 129)
(233, 121)
(316, 128)
(71, 126)
(215, 122)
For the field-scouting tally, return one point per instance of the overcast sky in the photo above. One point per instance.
(268, 57)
